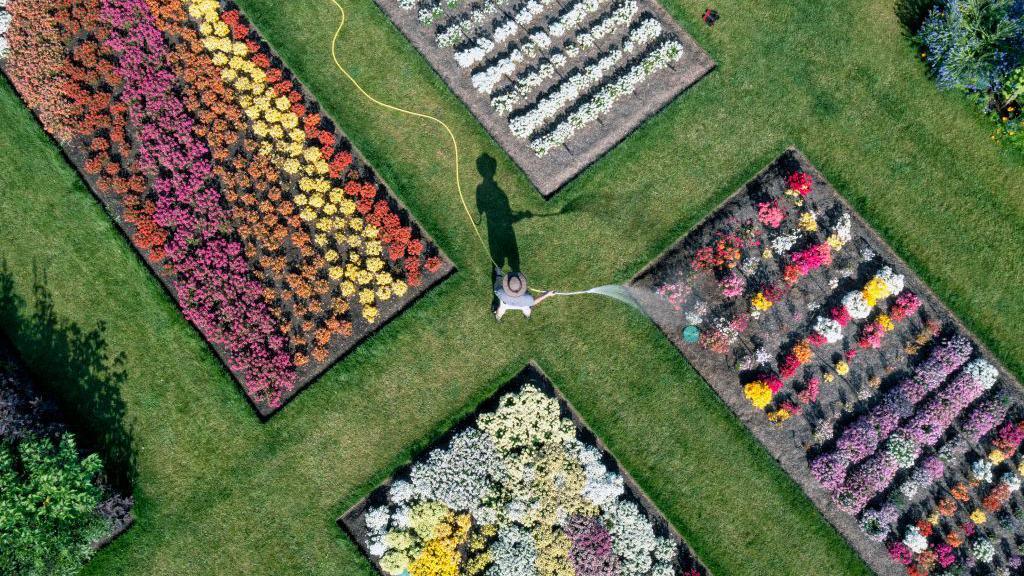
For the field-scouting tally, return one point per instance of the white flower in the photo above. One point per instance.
(377, 519)
(909, 488)
(914, 540)
(784, 243)
(400, 492)
(514, 553)
(893, 281)
(633, 538)
(830, 329)
(856, 305)
(983, 550)
(983, 373)
(461, 476)
(1011, 480)
(867, 254)
(762, 356)
(844, 228)
(981, 471)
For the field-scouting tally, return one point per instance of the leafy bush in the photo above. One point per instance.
(974, 45)
(48, 502)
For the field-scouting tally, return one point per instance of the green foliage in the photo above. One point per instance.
(47, 507)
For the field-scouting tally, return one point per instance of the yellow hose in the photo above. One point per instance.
(455, 142)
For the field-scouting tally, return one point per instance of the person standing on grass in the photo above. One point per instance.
(513, 294)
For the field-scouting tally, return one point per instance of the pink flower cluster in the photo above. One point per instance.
(770, 214)
(211, 276)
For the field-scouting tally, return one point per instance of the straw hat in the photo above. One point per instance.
(514, 284)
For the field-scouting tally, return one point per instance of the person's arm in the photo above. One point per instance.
(543, 297)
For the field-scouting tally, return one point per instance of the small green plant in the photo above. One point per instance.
(48, 502)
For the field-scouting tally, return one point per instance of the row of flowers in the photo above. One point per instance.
(517, 492)
(529, 80)
(270, 235)
(533, 44)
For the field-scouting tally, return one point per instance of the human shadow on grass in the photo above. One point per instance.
(77, 368)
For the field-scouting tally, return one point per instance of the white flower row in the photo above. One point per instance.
(621, 16)
(527, 82)
(486, 80)
(505, 30)
(601, 102)
(573, 18)
(430, 13)
(464, 25)
(534, 118)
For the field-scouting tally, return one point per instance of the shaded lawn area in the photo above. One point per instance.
(220, 493)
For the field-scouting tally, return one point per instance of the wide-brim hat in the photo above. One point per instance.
(514, 284)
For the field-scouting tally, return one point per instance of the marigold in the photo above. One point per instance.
(759, 394)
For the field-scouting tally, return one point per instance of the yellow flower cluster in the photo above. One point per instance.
(281, 138)
(758, 393)
(978, 517)
(760, 302)
(779, 416)
(808, 223)
(996, 456)
(876, 289)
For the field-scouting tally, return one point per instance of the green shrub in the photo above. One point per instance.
(48, 502)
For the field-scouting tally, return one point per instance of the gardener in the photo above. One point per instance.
(513, 294)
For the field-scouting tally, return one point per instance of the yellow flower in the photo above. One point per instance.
(885, 322)
(347, 207)
(374, 264)
(779, 416)
(384, 278)
(934, 518)
(760, 302)
(829, 377)
(335, 272)
(808, 222)
(366, 296)
(383, 294)
(347, 289)
(759, 394)
(331, 255)
(996, 456)
(290, 166)
(835, 242)
(842, 368)
(307, 214)
(364, 277)
(370, 314)
(399, 288)
(978, 517)
(767, 254)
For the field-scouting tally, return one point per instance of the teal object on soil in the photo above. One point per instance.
(691, 334)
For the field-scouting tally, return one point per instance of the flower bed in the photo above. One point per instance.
(278, 242)
(866, 388)
(57, 504)
(557, 84)
(520, 487)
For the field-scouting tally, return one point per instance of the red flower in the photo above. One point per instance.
(433, 264)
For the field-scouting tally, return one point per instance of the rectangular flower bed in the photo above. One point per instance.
(899, 425)
(556, 84)
(276, 239)
(520, 487)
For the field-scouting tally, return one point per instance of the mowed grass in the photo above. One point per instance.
(219, 492)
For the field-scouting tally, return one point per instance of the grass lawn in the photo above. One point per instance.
(218, 492)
